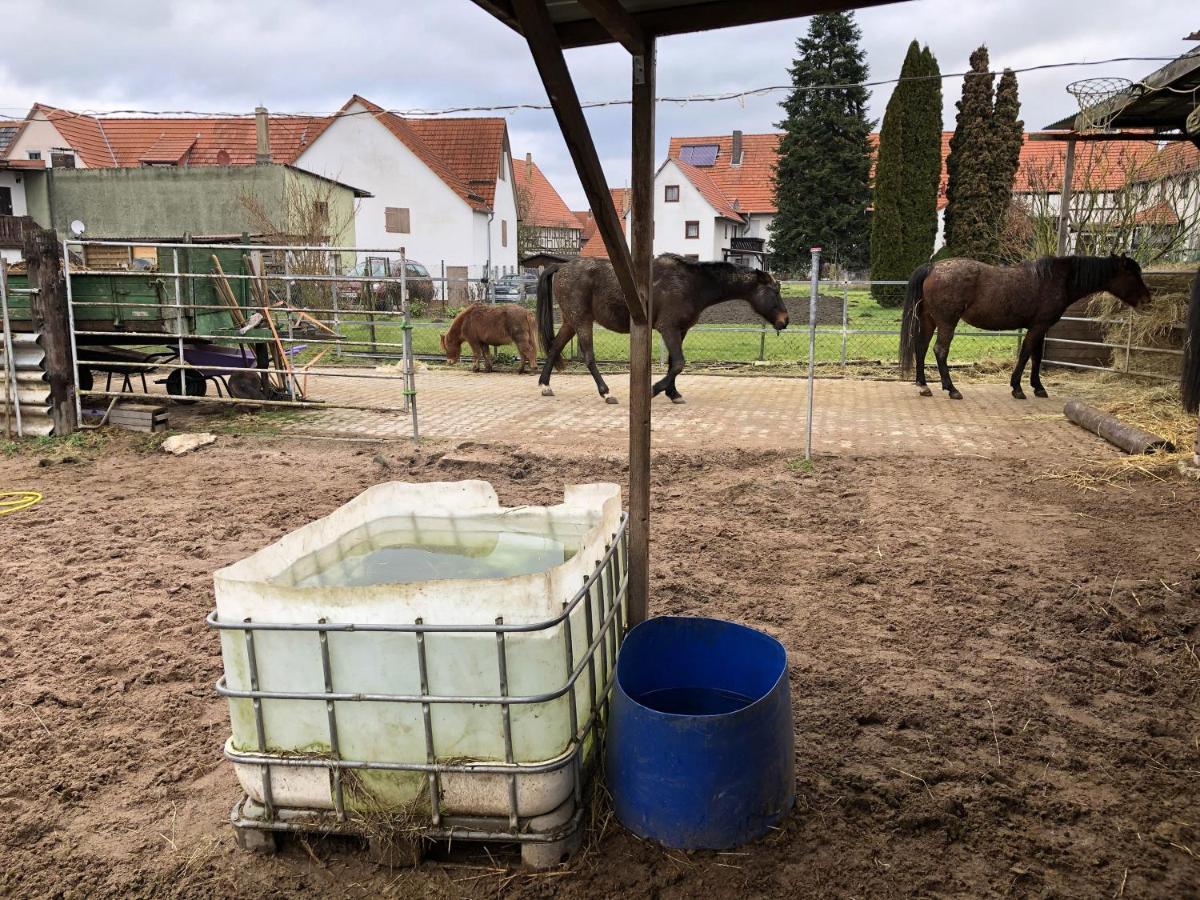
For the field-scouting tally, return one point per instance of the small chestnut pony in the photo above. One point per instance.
(483, 326)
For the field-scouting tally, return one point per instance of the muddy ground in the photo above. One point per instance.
(994, 674)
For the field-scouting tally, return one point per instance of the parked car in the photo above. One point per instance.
(510, 289)
(386, 294)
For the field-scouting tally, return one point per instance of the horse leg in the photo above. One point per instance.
(527, 348)
(584, 330)
(1035, 377)
(673, 338)
(552, 356)
(941, 352)
(478, 353)
(926, 325)
(1022, 358)
(487, 359)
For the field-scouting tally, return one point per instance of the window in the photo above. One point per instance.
(396, 219)
(503, 167)
(6, 207)
(35, 154)
(671, 193)
(62, 159)
(321, 211)
(504, 232)
(691, 230)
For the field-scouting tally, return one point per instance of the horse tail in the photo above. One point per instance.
(545, 307)
(909, 320)
(1189, 383)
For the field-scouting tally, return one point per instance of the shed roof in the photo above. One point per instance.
(1161, 101)
(577, 27)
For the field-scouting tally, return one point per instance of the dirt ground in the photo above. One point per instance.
(994, 674)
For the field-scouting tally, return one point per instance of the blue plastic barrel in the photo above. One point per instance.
(700, 733)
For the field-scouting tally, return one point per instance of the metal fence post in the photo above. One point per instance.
(812, 349)
(845, 317)
(410, 381)
(762, 343)
(1128, 340)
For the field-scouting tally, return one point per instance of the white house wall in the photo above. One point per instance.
(670, 218)
(359, 151)
(504, 259)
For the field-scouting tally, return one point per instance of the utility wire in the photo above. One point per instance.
(594, 104)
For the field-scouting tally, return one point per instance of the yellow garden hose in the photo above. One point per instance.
(15, 501)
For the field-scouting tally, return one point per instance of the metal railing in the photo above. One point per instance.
(271, 335)
(602, 599)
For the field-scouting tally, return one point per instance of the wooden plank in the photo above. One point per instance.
(1064, 200)
(618, 22)
(548, 56)
(641, 334)
(48, 309)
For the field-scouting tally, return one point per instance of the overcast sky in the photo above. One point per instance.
(310, 56)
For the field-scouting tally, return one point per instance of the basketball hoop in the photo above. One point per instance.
(1096, 112)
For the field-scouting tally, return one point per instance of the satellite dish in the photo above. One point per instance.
(77, 228)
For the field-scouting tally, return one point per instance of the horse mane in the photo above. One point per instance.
(1085, 274)
(717, 268)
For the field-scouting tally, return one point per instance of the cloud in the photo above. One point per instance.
(309, 56)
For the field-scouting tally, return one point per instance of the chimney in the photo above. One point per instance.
(262, 136)
(735, 158)
(528, 167)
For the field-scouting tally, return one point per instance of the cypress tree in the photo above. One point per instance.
(889, 258)
(969, 193)
(907, 174)
(822, 184)
(924, 138)
(1008, 134)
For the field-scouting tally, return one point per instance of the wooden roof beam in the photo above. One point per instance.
(618, 22)
(539, 33)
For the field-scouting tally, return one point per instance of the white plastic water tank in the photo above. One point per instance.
(280, 585)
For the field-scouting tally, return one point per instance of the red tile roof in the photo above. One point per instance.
(544, 207)
(464, 153)
(752, 183)
(709, 190)
(593, 244)
(471, 148)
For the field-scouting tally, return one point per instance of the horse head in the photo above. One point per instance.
(1126, 283)
(765, 299)
(452, 349)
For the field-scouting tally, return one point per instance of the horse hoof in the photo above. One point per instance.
(1040, 392)
(955, 395)
(925, 391)
(678, 400)
(546, 392)
(611, 399)
(1018, 395)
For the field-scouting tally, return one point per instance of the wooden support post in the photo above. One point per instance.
(641, 334)
(1064, 200)
(51, 320)
(539, 33)
(618, 22)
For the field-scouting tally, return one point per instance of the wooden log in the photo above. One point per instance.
(51, 319)
(1129, 438)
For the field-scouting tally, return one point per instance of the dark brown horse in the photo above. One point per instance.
(1032, 295)
(589, 294)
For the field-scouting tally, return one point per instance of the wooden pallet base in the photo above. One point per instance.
(139, 417)
(256, 833)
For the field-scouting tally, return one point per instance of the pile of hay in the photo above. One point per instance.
(1157, 325)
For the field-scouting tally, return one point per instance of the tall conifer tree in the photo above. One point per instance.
(822, 187)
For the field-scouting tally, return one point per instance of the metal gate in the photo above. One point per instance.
(268, 327)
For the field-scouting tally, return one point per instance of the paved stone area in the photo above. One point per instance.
(850, 416)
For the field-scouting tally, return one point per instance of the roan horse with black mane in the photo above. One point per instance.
(1032, 295)
(588, 294)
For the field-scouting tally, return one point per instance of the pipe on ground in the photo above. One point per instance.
(1129, 438)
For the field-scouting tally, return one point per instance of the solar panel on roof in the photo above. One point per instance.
(702, 155)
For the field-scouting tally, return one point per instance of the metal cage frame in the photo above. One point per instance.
(605, 623)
